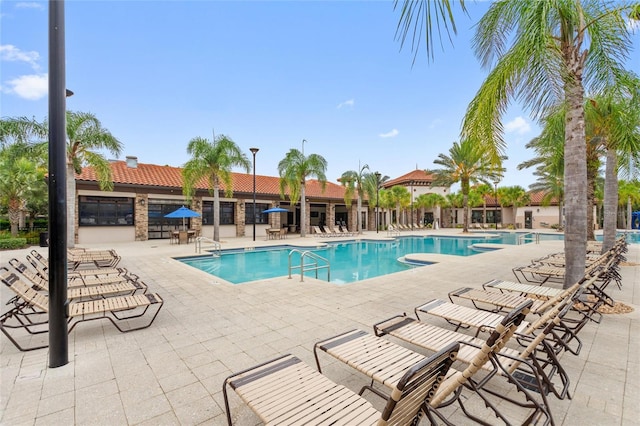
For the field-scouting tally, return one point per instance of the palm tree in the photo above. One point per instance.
(454, 200)
(551, 184)
(545, 52)
(399, 197)
(613, 120)
(467, 162)
(213, 161)
(483, 191)
(432, 200)
(294, 169)
(628, 195)
(20, 177)
(353, 181)
(371, 186)
(20, 130)
(86, 138)
(514, 196)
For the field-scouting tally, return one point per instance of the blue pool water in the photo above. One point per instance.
(350, 261)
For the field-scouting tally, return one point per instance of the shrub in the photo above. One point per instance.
(12, 243)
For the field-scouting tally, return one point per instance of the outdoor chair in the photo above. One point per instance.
(44, 265)
(383, 362)
(541, 354)
(31, 307)
(79, 289)
(98, 258)
(286, 391)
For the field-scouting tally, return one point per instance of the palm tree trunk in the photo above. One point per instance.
(591, 182)
(216, 211)
(303, 210)
(14, 216)
(71, 206)
(359, 218)
(575, 166)
(610, 200)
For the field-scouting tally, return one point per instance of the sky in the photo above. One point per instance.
(268, 74)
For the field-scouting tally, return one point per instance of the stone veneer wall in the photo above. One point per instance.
(240, 216)
(142, 217)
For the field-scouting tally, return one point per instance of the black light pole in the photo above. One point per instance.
(495, 214)
(254, 151)
(377, 197)
(58, 334)
(412, 205)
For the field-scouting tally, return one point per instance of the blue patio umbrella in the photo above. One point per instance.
(183, 212)
(275, 210)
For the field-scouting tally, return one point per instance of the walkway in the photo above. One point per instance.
(172, 372)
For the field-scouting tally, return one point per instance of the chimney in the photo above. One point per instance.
(132, 162)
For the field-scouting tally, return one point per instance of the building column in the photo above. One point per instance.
(141, 217)
(240, 218)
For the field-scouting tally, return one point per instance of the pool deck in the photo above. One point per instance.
(172, 372)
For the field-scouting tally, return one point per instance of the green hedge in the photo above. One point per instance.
(12, 243)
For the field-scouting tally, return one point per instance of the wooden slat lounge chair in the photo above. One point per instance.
(99, 258)
(41, 264)
(541, 354)
(78, 289)
(286, 391)
(31, 307)
(393, 231)
(383, 362)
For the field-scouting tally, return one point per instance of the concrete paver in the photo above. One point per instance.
(172, 372)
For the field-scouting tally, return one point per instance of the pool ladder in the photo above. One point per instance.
(313, 265)
(217, 248)
(529, 236)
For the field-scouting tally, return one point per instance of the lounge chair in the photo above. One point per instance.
(383, 362)
(99, 258)
(541, 355)
(392, 230)
(85, 275)
(30, 310)
(78, 288)
(286, 391)
(320, 231)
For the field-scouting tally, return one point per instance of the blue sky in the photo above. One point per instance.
(268, 74)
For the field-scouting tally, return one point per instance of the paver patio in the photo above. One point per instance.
(172, 372)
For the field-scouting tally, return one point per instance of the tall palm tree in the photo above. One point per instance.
(546, 52)
(513, 196)
(86, 138)
(20, 130)
(371, 186)
(467, 162)
(353, 181)
(628, 196)
(432, 200)
(213, 161)
(484, 190)
(294, 169)
(613, 119)
(19, 178)
(399, 197)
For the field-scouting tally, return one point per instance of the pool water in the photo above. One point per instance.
(350, 261)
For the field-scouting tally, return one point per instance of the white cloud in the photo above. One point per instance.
(348, 103)
(31, 87)
(518, 125)
(391, 134)
(10, 53)
(29, 5)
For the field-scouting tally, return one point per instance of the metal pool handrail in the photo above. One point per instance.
(314, 266)
(217, 248)
(535, 235)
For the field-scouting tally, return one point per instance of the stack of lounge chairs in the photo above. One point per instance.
(506, 339)
(96, 289)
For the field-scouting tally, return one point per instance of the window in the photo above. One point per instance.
(260, 217)
(105, 211)
(227, 212)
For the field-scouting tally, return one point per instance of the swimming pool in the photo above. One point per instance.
(350, 260)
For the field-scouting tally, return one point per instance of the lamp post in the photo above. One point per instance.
(303, 141)
(412, 205)
(377, 197)
(254, 151)
(495, 213)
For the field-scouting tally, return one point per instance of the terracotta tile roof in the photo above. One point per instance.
(536, 199)
(152, 175)
(418, 177)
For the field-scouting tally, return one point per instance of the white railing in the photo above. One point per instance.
(215, 247)
(311, 266)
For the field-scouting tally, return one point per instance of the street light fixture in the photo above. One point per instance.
(495, 213)
(377, 197)
(254, 151)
